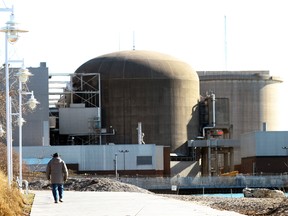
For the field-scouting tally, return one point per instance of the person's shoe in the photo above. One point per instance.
(56, 202)
(61, 200)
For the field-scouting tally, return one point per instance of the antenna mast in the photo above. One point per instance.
(119, 41)
(225, 43)
(133, 40)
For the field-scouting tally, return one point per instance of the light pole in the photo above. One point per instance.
(7, 105)
(124, 152)
(116, 166)
(23, 76)
(286, 148)
(11, 35)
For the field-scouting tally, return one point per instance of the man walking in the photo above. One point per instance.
(57, 172)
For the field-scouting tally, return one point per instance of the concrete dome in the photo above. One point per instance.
(138, 64)
(149, 87)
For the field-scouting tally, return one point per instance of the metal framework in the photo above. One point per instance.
(80, 88)
(64, 91)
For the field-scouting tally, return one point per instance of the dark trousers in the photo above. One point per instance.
(57, 190)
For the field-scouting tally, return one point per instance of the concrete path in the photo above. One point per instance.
(118, 204)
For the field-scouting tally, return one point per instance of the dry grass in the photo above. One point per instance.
(3, 161)
(28, 202)
(12, 201)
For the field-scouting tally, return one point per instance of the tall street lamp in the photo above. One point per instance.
(11, 35)
(116, 166)
(23, 76)
(7, 110)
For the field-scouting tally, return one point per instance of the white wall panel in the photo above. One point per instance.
(78, 120)
(101, 157)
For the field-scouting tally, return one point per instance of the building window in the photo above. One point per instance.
(144, 160)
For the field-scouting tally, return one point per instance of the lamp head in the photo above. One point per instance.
(32, 102)
(23, 74)
(20, 121)
(12, 30)
(13, 36)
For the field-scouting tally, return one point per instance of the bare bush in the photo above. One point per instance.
(12, 202)
(3, 161)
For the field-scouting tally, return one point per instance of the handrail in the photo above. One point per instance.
(20, 185)
(278, 181)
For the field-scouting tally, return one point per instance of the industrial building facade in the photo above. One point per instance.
(107, 97)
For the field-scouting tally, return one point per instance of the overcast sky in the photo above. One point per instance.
(67, 33)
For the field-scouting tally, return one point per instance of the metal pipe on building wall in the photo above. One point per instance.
(213, 115)
(213, 110)
(100, 111)
(116, 167)
(139, 128)
(209, 157)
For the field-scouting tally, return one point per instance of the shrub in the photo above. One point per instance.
(3, 161)
(11, 199)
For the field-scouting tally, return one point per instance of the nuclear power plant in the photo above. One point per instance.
(155, 89)
(130, 100)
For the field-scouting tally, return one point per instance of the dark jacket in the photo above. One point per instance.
(57, 171)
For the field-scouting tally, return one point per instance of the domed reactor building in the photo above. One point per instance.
(158, 90)
(253, 99)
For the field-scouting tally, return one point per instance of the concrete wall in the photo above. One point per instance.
(158, 90)
(165, 108)
(269, 143)
(185, 168)
(248, 145)
(101, 157)
(36, 128)
(255, 98)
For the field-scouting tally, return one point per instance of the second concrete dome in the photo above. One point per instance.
(149, 87)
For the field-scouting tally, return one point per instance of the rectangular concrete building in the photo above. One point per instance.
(264, 152)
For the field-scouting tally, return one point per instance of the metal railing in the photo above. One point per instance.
(276, 181)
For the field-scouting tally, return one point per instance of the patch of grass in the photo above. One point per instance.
(12, 201)
(28, 202)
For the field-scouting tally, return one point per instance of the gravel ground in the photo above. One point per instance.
(247, 206)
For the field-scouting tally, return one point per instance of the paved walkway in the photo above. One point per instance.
(118, 204)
